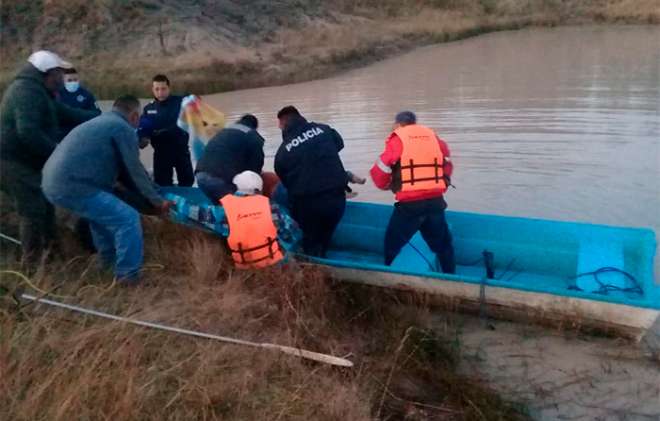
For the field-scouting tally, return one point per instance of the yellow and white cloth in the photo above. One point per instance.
(201, 121)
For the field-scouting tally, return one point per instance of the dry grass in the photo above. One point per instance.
(641, 11)
(293, 42)
(56, 365)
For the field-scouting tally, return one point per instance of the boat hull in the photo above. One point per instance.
(612, 318)
(584, 275)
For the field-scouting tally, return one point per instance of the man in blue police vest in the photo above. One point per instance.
(308, 165)
(170, 142)
(73, 94)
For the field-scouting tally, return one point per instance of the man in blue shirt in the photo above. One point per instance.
(81, 175)
(170, 142)
(74, 95)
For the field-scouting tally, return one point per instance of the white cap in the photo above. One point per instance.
(47, 60)
(248, 182)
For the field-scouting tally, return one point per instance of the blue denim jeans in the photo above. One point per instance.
(116, 231)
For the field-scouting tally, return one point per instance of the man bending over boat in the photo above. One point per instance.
(236, 148)
(416, 167)
(80, 176)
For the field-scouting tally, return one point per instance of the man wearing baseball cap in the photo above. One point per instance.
(417, 167)
(30, 121)
(258, 230)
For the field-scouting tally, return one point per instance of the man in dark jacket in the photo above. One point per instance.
(237, 148)
(29, 130)
(169, 141)
(308, 165)
(82, 172)
(75, 96)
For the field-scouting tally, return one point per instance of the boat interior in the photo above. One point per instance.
(563, 258)
(597, 262)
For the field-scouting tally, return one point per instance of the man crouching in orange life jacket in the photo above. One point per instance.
(416, 167)
(252, 232)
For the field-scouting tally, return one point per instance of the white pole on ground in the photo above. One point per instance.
(298, 352)
(10, 239)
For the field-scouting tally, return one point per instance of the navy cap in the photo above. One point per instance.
(405, 117)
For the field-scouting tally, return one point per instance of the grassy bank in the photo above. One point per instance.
(210, 49)
(57, 365)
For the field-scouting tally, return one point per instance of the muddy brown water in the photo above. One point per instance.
(557, 123)
(550, 123)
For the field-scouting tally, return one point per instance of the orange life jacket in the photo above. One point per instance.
(421, 160)
(252, 233)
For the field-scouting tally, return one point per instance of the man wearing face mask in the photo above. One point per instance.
(82, 172)
(74, 95)
(30, 121)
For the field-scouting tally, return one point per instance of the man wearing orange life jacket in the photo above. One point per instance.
(416, 167)
(252, 233)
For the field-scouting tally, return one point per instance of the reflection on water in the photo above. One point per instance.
(551, 123)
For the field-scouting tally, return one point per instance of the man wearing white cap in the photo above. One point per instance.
(255, 224)
(30, 121)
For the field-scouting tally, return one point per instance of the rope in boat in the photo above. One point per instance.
(605, 287)
(428, 262)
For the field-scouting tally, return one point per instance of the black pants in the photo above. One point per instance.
(427, 217)
(318, 215)
(167, 160)
(36, 215)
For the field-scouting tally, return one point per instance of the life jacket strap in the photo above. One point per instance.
(411, 166)
(243, 251)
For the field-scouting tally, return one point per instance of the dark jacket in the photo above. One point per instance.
(308, 160)
(163, 131)
(235, 149)
(82, 99)
(30, 119)
(95, 156)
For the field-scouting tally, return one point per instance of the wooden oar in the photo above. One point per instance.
(298, 352)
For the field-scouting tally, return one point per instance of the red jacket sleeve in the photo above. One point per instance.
(448, 164)
(381, 172)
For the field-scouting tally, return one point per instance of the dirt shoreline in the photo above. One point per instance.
(222, 77)
(208, 49)
(561, 374)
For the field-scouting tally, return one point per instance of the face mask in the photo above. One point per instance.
(71, 86)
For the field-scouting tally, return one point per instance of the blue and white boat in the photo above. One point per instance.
(594, 275)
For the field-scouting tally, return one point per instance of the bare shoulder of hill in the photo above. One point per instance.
(212, 46)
